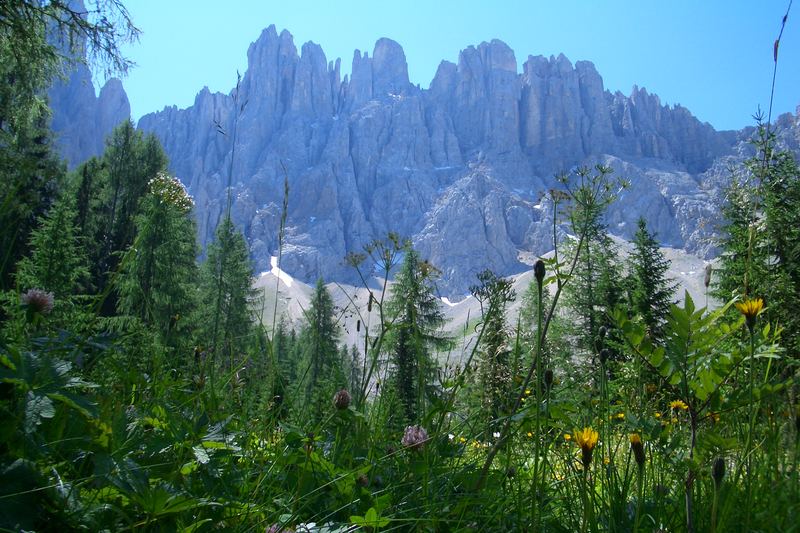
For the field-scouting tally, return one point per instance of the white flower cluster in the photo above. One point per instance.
(171, 190)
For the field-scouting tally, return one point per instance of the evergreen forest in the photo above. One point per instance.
(142, 390)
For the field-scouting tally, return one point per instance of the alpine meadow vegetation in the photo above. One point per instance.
(141, 389)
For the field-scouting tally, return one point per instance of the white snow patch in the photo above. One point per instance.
(447, 302)
(280, 274)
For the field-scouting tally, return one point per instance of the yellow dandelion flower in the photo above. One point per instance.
(658, 415)
(587, 440)
(637, 448)
(530, 435)
(678, 404)
(750, 308)
(567, 436)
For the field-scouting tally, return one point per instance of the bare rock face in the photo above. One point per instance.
(82, 120)
(460, 167)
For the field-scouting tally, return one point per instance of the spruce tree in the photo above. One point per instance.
(596, 287)
(761, 243)
(159, 271)
(416, 317)
(320, 371)
(57, 262)
(108, 192)
(651, 292)
(37, 39)
(226, 285)
(496, 372)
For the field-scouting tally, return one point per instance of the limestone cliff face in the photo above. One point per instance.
(82, 120)
(459, 167)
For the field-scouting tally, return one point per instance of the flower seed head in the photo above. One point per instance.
(539, 271)
(341, 400)
(637, 447)
(718, 471)
(38, 301)
(548, 378)
(414, 437)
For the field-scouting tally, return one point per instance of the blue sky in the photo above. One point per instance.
(713, 57)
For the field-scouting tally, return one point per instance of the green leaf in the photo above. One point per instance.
(201, 455)
(36, 408)
(197, 525)
(189, 468)
(371, 519)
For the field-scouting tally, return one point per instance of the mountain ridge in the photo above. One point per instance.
(459, 167)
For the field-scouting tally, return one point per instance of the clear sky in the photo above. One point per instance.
(712, 56)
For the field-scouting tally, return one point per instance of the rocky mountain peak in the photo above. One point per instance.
(459, 167)
(389, 69)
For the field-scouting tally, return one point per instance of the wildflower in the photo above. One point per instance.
(278, 528)
(587, 440)
(567, 436)
(620, 416)
(462, 440)
(718, 471)
(548, 378)
(414, 437)
(658, 415)
(527, 392)
(750, 309)
(539, 271)
(678, 404)
(637, 448)
(530, 435)
(38, 301)
(341, 400)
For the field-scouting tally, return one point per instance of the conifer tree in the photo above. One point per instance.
(416, 317)
(761, 246)
(108, 192)
(651, 292)
(36, 40)
(57, 262)
(227, 275)
(320, 371)
(496, 372)
(158, 272)
(596, 287)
